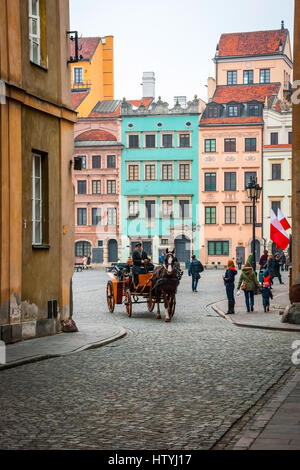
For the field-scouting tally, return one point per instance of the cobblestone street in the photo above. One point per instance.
(178, 385)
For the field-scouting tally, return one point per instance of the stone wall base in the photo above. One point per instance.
(29, 330)
(292, 314)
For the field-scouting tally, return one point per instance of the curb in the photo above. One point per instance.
(247, 325)
(122, 332)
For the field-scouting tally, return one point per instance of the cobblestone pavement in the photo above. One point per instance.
(178, 385)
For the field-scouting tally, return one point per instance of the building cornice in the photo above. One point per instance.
(253, 57)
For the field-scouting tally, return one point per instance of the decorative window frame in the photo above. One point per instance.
(164, 132)
(133, 199)
(187, 131)
(127, 140)
(74, 68)
(34, 38)
(170, 199)
(184, 162)
(145, 163)
(184, 198)
(150, 198)
(144, 140)
(127, 170)
(166, 162)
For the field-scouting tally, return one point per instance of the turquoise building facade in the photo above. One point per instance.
(159, 179)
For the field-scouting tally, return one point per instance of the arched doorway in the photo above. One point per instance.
(112, 251)
(183, 248)
(82, 248)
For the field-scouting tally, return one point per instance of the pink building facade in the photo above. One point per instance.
(252, 69)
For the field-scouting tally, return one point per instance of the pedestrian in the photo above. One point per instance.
(89, 259)
(271, 267)
(249, 259)
(229, 278)
(287, 262)
(266, 291)
(282, 260)
(161, 258)
(263, 260)
(239, 261)
(195, 269)
(277, 265)
(249, 284)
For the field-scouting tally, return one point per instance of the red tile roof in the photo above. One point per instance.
(244, 93)
(95, 134)
(78, 97)
(252, 43)
(233, 120)
(87, 47)
(137, 103)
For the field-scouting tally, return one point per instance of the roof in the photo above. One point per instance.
(233, 120)
(244, 93)
(252, 43)
(87, 47)
(95, 135)
(78, 97)
(110, 108)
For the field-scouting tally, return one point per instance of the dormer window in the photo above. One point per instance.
(213, 112)
(253, 110)
(233, 111)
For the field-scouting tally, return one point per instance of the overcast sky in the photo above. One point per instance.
(174, 38)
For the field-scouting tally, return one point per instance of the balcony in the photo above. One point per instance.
(82, 85)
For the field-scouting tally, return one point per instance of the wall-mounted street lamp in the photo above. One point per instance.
(253, 193)
(74, 37)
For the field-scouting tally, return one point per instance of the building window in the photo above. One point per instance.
(213, 112)
(111, 161)
(111, 187)
(230, 214)
(167, 208)
(229, 145)
(78, 75)
(81, 187)
(275, 205)
(133, 141)
(229, 181)
(37, 201)
(150, 172)
(210, 145)
(218, 248)
(210, 181)
(96, 161)
(81, 216)
(274, 138)
(96, 186)
(290, 138)
(96, 216)
(184, 171)
(133, 208)
(264, 76)
(253, 110)
(249, 176)
(250, 145)
(248, 214)
(167, 140)
(150, 209)
(150, 141)
(248, 77)
(112, 216)
(34, 31)
(184, 140)
(184, 209)
(232, 77)
(83, 161)
(133, 172)
(167, 171)
(82, 249)
(276, 171)
(164, 241)
(210, 215)
(233, 111)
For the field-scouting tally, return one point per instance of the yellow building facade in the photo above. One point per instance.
(92, 77)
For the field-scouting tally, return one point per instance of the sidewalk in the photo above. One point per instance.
(259, 319)
(277, 426)
(62, 344)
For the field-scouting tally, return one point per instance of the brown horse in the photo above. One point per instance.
(165, 281)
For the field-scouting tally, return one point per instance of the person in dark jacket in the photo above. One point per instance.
(141, 263)
(263, 260)
(277, 265)
(266, 291)
(282, 260)
(161, 258)
(239, 261)
(249, 284)
(195, 269)
(229, 279)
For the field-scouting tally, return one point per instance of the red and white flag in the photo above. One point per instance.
(277, 233)
(283, 220)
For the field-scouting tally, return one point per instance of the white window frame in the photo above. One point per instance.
(111, 218)
(166, 162)
(155, 171)
(144, 139)
(77, 83)
(190, 170)
(170, 204)
(36, 221)
(139, 170)
(96, 183)
(179, 133)
(133, 203)
(34, 39)
(113, 185)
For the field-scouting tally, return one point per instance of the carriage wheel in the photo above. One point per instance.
(128, 303)
(171, 306)
(110, 297)
(150, 304)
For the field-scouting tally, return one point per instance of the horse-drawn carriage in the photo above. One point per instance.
(157, 287)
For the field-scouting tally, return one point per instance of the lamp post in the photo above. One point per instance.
(253, 193)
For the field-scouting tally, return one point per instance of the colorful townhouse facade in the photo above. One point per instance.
(159, 178)
(251, 69)
(92, 76)
(277, 165)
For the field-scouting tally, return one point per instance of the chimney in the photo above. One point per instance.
(148, 85)
(211, 88)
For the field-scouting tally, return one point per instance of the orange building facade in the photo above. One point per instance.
(252, 70)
